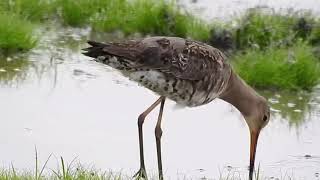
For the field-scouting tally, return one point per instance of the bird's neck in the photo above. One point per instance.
(240, 95)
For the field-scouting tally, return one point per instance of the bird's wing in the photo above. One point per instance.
(184, 59)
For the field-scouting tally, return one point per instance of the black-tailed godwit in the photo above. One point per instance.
(188, 72)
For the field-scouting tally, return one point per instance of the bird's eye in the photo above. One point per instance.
(265, 117)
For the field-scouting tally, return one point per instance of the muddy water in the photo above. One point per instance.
(66, 105)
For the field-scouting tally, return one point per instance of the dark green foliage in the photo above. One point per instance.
(222, 39)
(303, 28)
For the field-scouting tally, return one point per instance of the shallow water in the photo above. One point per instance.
(58, 100)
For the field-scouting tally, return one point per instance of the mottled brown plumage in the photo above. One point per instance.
(190, 73)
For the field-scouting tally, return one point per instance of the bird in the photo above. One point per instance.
(188, 72)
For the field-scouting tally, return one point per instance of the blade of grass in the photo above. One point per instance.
(36, 170)
(63, 168)
(44, 165)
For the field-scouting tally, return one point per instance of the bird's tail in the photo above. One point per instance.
(95, 50)
(116, 55)
(119, 50)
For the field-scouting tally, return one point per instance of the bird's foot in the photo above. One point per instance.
(141, 174)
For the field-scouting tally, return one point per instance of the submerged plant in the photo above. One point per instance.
(13, 71)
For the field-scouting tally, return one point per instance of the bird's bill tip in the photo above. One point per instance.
(254, 135)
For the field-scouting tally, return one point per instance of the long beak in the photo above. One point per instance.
(253, 147)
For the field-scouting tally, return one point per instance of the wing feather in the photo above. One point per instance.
(181, 58)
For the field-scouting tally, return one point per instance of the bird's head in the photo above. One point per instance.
(259, 115)
(257, 119)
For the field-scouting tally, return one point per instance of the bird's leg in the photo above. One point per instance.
(142, 171)
(158, 134)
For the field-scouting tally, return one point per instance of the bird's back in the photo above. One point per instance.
(189, 72)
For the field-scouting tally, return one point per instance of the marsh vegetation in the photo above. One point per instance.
(273, 37)
(43, 74)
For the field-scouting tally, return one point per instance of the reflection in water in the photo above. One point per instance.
(58, 45)
(294, 107)
(13, 70)
(72, 39)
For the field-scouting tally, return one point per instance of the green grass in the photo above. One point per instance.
(315, 34)
(292, 68)
(16, 34)
(150, 17)
(190, 26)
(279, 35)
(63, 173)
(33, 10)
(261, 29)
(75, 171)
(153, 17)
(147, 17)
(74, 13)
(80, 12)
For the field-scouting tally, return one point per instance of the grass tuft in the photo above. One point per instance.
(291, 68)
(262, 29)
(16, 34)
(34, 10)
(78, 13)
(147, 17)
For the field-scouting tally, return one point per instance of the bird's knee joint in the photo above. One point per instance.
(158, 132)
(141, 119)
